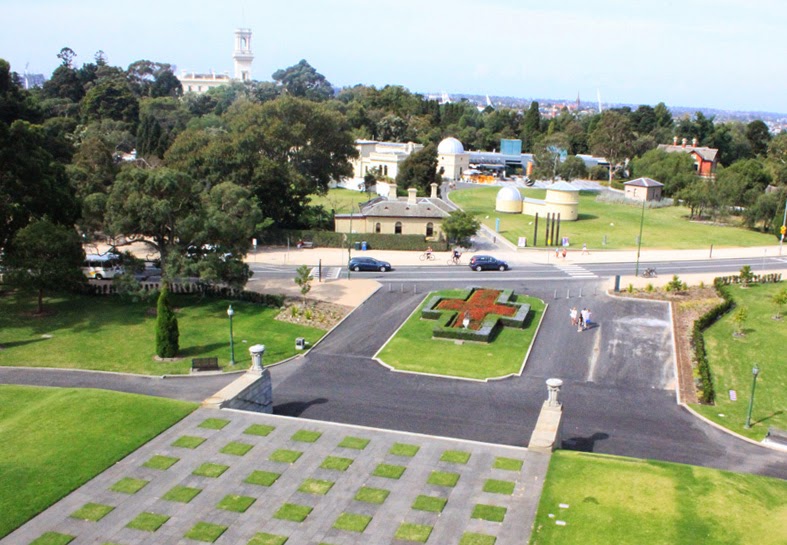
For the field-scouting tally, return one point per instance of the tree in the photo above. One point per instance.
(663, 116)
(674, 170)
(612, 138)
(419, 170)
(779, 299)
(739, 320)
(572, 168)
(111, 98)
(759, 136)
(304, 280)
(303, 81)
(746, 275)
(531, 127)
(167, 334)
(741, 183)
(459, 226)
(777, 158)
(44, 256)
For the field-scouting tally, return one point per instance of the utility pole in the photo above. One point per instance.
(639, 240)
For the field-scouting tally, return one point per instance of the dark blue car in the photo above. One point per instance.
(369, 264)
(487, 263)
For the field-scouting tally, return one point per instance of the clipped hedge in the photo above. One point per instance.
(770, 278)
(330, 239)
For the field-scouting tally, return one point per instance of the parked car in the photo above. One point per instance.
(487, 263)
(369, 264)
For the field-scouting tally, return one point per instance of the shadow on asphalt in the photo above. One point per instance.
(584, 444)
(296, 408)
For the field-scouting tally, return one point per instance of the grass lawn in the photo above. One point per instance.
(663, 228)
(108, 334)
(342, 200)
(731, 360)
(413, 349)
(627, 501)
(53, 440)
(205, 531)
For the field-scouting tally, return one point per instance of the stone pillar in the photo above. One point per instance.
(434, 190)
(553, 386)
(546, 435)
(256, 352)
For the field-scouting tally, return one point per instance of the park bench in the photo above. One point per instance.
(776, 435)
(205, 364)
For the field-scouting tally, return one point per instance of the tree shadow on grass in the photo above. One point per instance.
(200, 349)
(297, 408)
(584, 444)
(14, 344)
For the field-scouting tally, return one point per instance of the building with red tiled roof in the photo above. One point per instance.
(705, 159)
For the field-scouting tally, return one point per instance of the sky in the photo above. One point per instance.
(724, 54)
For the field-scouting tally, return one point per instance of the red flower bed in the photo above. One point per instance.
(477, 306)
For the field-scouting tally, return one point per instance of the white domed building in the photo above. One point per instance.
(452, 158)
(562, 198)
(509, 200)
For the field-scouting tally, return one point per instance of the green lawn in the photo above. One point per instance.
(53, 440)
(413, 349)
(630, 502)
(731, 360)
(663, 228)
(341, 200)
(107, 334)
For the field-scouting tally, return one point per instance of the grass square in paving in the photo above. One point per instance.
(315, 486)
(261, 430)
(53, 538)
(236, 448)
(443, 478)
(214, 423)
(262, 478)
(357, 443)
(368, 494)
(127, 485)
(293, 512)
(306, 436)
(182, 494)
(238, 504)
(205, 531)
(352, 522)
(285, 456)
(161, 462)
(404, 449)
(389, 471)
(509, 464)
(267, 539)
(455, 457)
(92, 512)
(499, 487)
(336, 463)
(432, 504)
(408, 531)
(470, 538)
(492, 513)
(188, 441)
(148, 522)
(210, 470)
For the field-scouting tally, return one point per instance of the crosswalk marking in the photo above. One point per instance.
(328, 273)
(575, 271)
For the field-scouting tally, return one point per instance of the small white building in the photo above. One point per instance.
(643, 189)
(452, 159)
(561, 198)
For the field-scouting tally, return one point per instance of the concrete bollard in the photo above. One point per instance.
(257, 351)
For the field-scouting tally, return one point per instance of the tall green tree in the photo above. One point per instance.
(167, 332)
(759, 136)
(459, 226)
(303, 81)
(674, 170)
(612, 138)
(419, 170)
(531, 126)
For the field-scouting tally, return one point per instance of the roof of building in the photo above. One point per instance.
(450, 146)
(562, 186)
(707, 154)
(382, 207)
(509, 193)
(644, 182)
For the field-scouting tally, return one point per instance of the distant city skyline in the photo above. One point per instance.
(722, 54)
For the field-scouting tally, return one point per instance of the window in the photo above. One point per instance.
(430, 229)
(377, 228)
(398, 228)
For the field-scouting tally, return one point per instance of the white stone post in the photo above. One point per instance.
(257, 352)
(553, 384)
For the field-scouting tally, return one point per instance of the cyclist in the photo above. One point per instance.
(457, 255)
(428, 252)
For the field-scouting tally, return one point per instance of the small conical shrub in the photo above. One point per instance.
(166, 327)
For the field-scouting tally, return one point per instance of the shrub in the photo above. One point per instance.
(167, 334)
(649, 288)
(675, 284)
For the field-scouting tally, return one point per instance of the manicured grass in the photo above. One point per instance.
(470, 538)
(508, 464)
(285, 456)
(492, 513)
(236, 448)
(352, 522)
(262, 478)
(127, 485)
(443, 478)
(210, 470)
(267, 539)
(306, 436)
(336, 463)
(262, 430)
(109, 334)
(52, 538)
(404, 449)
(161, 462)
(356, 443)
(238, 504)
(389, 471)
(214, 423)
(188, 441)
(731, 360)
(293, 512)
(663, 227)
(148, 522)
(432, 504)
(624, 500)
(341, 200)
(414, 349)
(92, 512)
(408, 531)
(53, 440)
(368, 494)
(499, 487)
(455, 457)
(318, 487)
(182, 494)
(206, 531)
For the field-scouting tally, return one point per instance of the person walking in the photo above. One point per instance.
(588, 318)
(585, 249)
(574, 316)
(580, 324)
(584, 316)
(557, 253)
(564, 252)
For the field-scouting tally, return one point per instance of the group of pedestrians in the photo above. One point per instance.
(580, 319)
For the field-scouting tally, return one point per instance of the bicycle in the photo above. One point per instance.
(427, 256)
(649, 273)
(454, 260)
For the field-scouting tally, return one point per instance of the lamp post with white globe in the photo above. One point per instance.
(230, 313)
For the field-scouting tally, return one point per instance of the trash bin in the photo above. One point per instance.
(357, 245)
(363, 246)
(300, 343)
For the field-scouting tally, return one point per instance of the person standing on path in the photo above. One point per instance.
(585, 249)
(580, 323)
(564, 252)
(588, 318)
(557, 253)
(574, 316)
(584, 316)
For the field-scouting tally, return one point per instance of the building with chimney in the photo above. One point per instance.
(705, 159)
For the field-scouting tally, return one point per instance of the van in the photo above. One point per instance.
(99, 267)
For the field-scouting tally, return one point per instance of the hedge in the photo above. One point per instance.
(330, 239)
(205, 290)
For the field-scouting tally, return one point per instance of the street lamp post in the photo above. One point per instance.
(754, 372)
(230, 313)
(639, 240)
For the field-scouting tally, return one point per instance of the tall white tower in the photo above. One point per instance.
(242, 56)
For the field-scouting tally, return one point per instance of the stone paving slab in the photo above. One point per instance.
(447, 527)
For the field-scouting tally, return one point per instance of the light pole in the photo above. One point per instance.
(230, 313)
(754, 372)
(639, 240)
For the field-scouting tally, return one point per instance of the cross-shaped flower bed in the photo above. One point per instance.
(486, 311)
